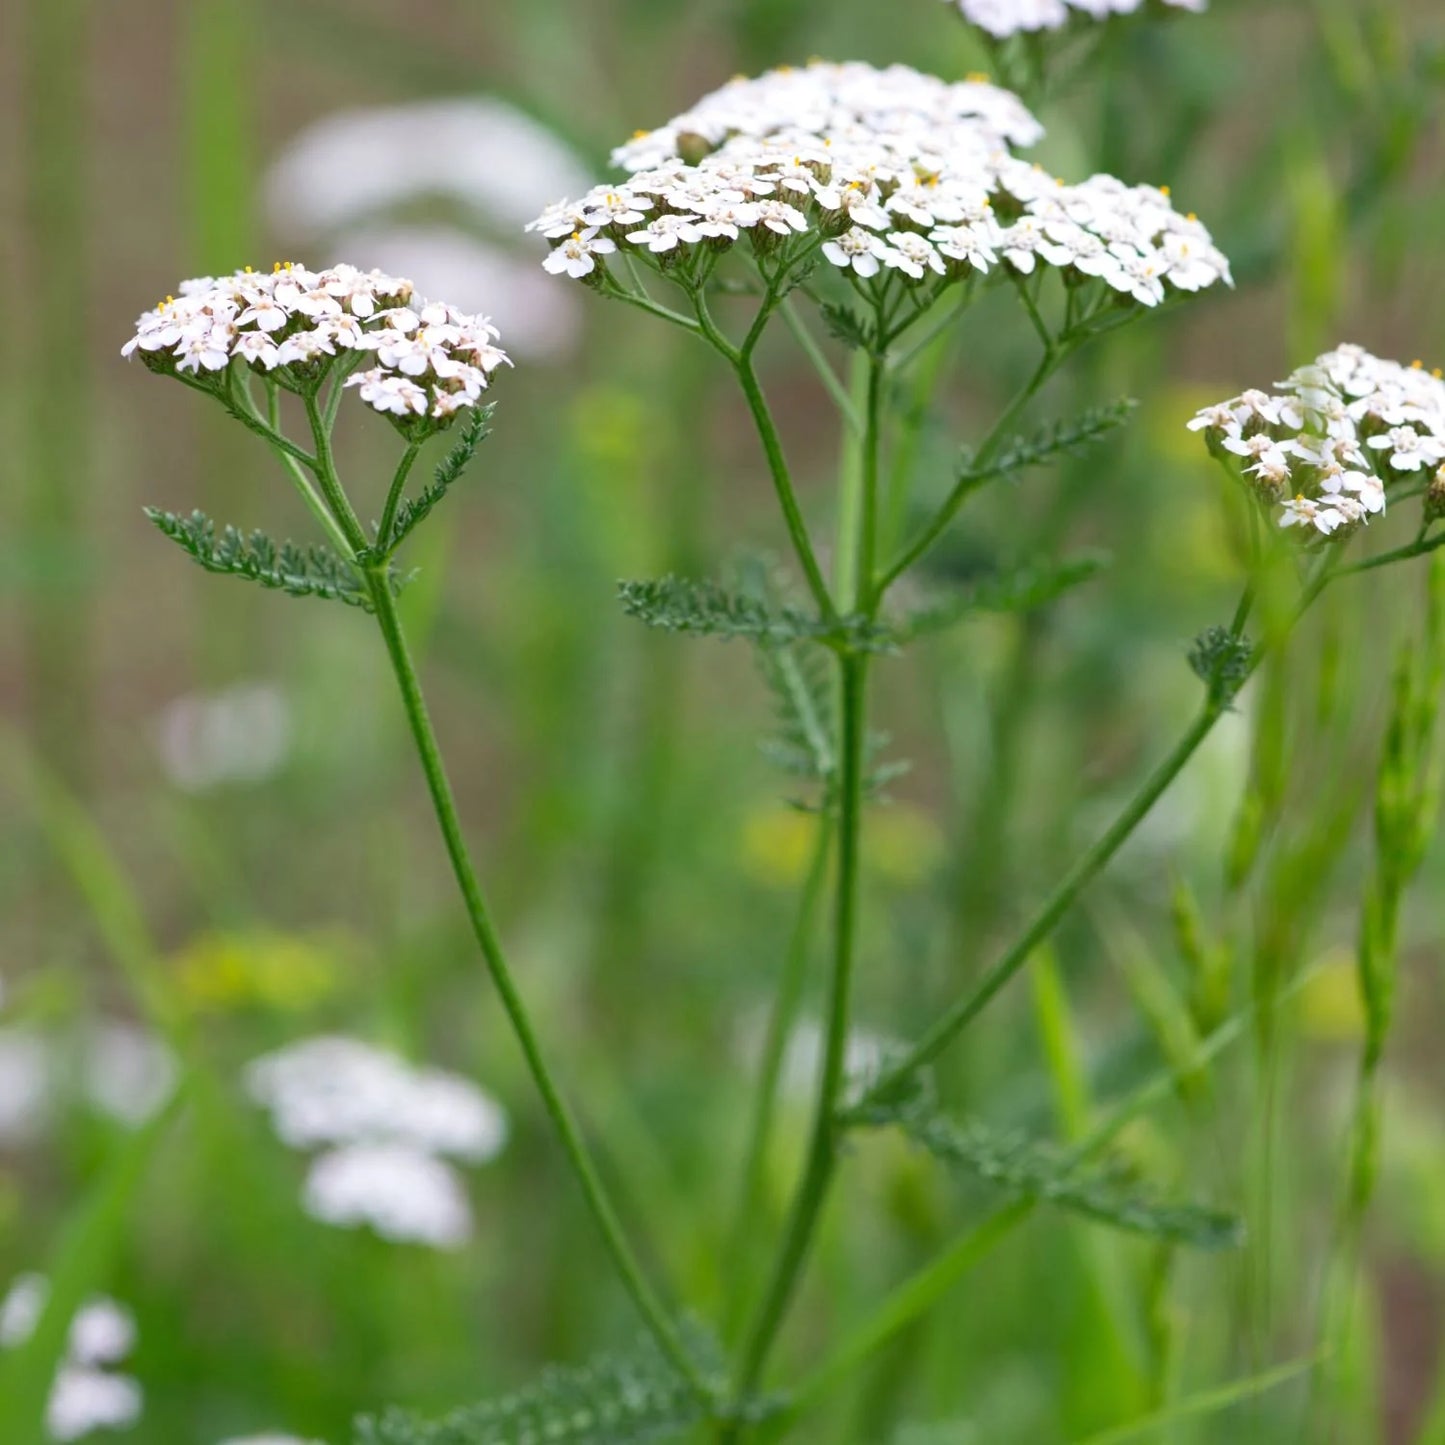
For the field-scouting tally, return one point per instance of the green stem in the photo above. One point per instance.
(831, 383)
(783, 486)
(827, 1128)
(1053, 357)
(780, 1028)
(330, 484)
(429, 753)
(823, 1148)
(915, 1297)
(957, 1018)
(393, 497)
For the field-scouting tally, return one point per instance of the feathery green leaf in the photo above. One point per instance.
(1042, 1172)
(475, 429)
(299, 571)
(1050, 442)
(706, 609)
(615, 1399)
(1023, 589)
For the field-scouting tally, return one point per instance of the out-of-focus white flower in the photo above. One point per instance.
(875, 168)
(271, 1439)
(84, 1397)
(539, 319)
(83, 1401)
(24, 1085)
(346, 182)
(357, 165)
(402, 1192)
(332, 1090)
(1002, 18)
(1334, 437)
(127, 1072)
(864, 1058)
(314, 318)
(239, 735)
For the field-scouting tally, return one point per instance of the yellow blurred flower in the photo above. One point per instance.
(1329, 1001)
(902, 844)
(778, 844)
(219, 972)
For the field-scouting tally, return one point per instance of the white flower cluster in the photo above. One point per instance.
(430, 360)
(86, 1394)
(386, 1129)
(1002, 18)
(272, 1439)
(883, 171)
(1330, 441)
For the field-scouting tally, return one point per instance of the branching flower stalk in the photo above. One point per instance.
(308, 333)
(888, 201)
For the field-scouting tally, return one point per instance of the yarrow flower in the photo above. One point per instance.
(1330, 442)
(87, 1394)
(885, 173)
(386, 1128)
(1002, 18)
(293, 326)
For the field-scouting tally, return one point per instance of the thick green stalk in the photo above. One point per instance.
(429, 753)
(783, 486)
(823, 1148)
(851, 788)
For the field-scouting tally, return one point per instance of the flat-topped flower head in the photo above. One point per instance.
(890, 176)
(413, 360)
(1331, 442)
(330, 1090)
(1002, 18)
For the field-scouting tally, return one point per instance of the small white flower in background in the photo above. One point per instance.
(867, 1053)
(403, 1193)
(335, 1090)
(272, 1439)
(25, 1080)
(387, 1126)
(83, 1401)
(116, 1068)
(1002, 18)
(348, 183)
(85, 1396)
(127, 1072)
(239, 735)
(1333, 437)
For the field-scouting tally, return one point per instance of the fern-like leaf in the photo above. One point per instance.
(1023, 589)
(1042, 1172)
(846, 326)
(298, 571)
(616, 1399)
(1049, 443)
(706, 609)
(475, 429)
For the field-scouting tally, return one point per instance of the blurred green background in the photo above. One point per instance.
(210, 821)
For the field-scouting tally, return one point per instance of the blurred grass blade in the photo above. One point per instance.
(113, 903)
(1208, 1402)
(81, 1264)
